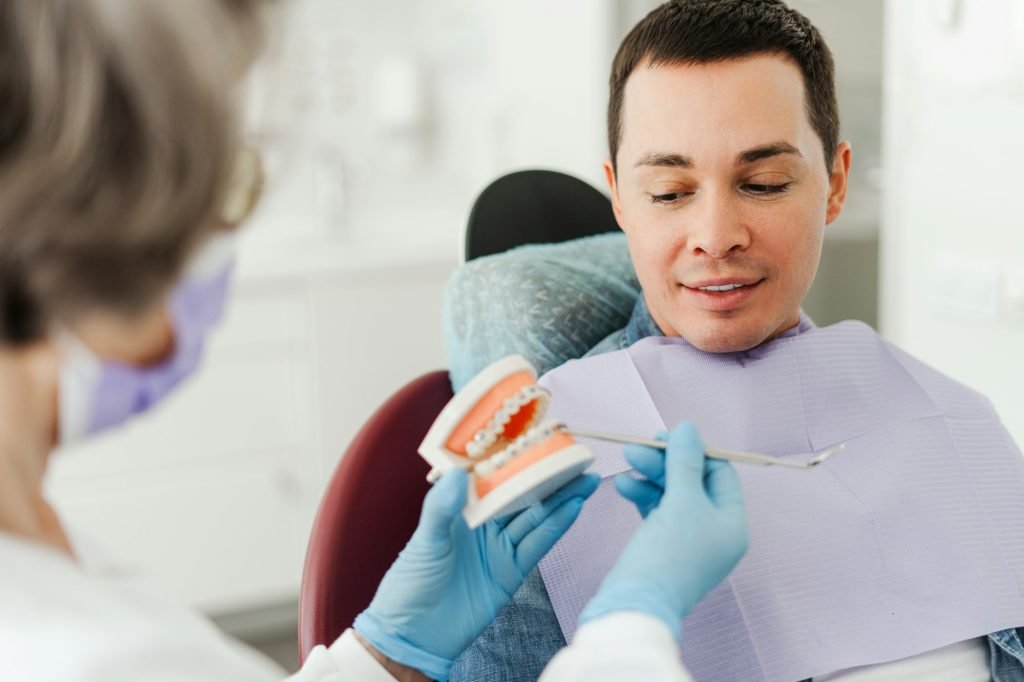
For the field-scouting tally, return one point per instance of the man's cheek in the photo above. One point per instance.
(653, 271)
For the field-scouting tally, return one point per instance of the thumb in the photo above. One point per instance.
(443, 502)
(684, 460)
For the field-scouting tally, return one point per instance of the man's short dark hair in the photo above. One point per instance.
(683, 32)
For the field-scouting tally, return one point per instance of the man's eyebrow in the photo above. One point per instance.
(766, 152)
(665, 160)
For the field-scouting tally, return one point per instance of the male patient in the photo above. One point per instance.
(725, 168)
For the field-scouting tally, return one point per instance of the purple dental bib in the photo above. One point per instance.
(909, 540)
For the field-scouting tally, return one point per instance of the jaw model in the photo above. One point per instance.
(494, 428)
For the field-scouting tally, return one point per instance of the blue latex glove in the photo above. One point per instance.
(450, 581)
(694, 531)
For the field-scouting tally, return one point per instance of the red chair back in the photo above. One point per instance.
(368, 512)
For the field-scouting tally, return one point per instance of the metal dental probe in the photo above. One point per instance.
(716, 453)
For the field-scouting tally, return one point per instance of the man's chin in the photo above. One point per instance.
(725, 338)
(721, 332)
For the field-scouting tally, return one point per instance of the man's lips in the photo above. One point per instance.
(721, 293)
(722, 281)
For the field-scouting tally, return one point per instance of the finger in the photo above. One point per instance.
(521, 524)
(644, 494)
(684, 460)
(541, 539)
(443, 503)
(504, 519)
(581, 486)
(723, 485)
(648, 462)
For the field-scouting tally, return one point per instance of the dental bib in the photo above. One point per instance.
(911, 540)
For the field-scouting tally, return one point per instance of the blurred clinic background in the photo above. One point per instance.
(381, 121)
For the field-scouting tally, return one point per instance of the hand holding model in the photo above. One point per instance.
(450, 581)
(694, 531)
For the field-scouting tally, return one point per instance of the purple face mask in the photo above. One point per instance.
(97, 394)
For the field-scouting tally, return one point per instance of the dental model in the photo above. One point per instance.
(495, 429)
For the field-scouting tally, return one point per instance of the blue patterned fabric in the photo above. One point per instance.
(547, 303)
(518, 644)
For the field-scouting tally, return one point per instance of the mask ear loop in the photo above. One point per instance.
(80, 372)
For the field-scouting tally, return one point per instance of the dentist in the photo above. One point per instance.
(122, 179)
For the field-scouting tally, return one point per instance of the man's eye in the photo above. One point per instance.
(670, 198)
(765, 190)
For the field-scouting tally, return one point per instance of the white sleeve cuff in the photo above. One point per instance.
(634, 626)
(617, 646)
(347, 660)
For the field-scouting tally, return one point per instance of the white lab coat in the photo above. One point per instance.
(621, 646)
(58, 622)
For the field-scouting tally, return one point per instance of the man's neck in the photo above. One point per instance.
(642, 325)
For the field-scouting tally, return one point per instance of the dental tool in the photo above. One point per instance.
(715, 453)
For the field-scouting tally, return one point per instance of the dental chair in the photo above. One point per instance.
(368, 512)
(535, 207)
(371, 505)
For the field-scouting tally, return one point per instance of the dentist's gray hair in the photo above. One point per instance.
(119, 127)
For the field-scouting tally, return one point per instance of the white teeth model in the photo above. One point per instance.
(724, 287)
(508, 448)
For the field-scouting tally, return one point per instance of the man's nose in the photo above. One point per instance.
(718, 230)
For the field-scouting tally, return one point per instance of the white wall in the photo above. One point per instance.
(552, 59)
(403, 111)
(953, 232)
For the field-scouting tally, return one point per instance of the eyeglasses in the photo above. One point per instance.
(245, 189)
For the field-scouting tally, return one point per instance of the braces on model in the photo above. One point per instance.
(533, 436)
(485, 438)
(495, 429)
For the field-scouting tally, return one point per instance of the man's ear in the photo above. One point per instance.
(837, 181)
(613, 190)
